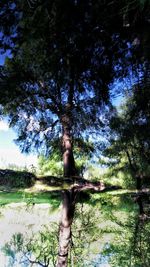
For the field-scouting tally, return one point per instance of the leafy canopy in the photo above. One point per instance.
(64, 57)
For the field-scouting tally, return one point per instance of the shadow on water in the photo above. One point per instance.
(108, 230)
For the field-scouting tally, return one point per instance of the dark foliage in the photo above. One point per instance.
(16, 179)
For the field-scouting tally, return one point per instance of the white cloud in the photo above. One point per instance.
(3, 126)
(14, 156)
(9, 152)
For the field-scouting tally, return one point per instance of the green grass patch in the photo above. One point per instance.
(120, 200)
(52, 198)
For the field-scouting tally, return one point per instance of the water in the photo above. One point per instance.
(108, 231)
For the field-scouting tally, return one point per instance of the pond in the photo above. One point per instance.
(109, 230)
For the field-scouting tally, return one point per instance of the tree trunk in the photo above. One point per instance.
(65, 227)
(140, 204)
(138, 182)
(68, 205)
(68, 158)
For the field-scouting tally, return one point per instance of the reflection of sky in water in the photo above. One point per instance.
(20, 261)
(3, 259)
(102, 261)
(24, 219)
(17, 261)
(7, 261)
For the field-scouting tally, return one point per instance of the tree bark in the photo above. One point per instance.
(68, 206)
(65, 227)
(68, 158)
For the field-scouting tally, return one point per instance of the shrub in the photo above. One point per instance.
(16, 179)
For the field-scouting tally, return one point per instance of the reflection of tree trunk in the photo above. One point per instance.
(137, 249)
(68, 205)
(65, 227)
(138, 182)
(140, 205)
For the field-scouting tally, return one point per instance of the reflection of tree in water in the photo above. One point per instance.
(42, 249)
(85, 232)
(113, 228)
(132, 247)
(141, 237)
(39, 250)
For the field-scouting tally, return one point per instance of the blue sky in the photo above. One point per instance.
(9, 151)
(2, 59)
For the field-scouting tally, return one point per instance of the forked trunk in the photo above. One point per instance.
(68, 205)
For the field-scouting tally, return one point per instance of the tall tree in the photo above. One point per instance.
(64, 56)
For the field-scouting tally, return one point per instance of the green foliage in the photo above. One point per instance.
(50, 166)
(41, 249)
(44, 246)
(93, 172)
(53, 198)
(129, 243)
(119, 174)
(127, 154)
(132, 247)
(16, 179)
(53, 166)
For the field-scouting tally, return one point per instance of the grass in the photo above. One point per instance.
(52, 198)
(51, 195)
(18, 187)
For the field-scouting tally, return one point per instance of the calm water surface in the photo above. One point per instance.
(109, 230)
